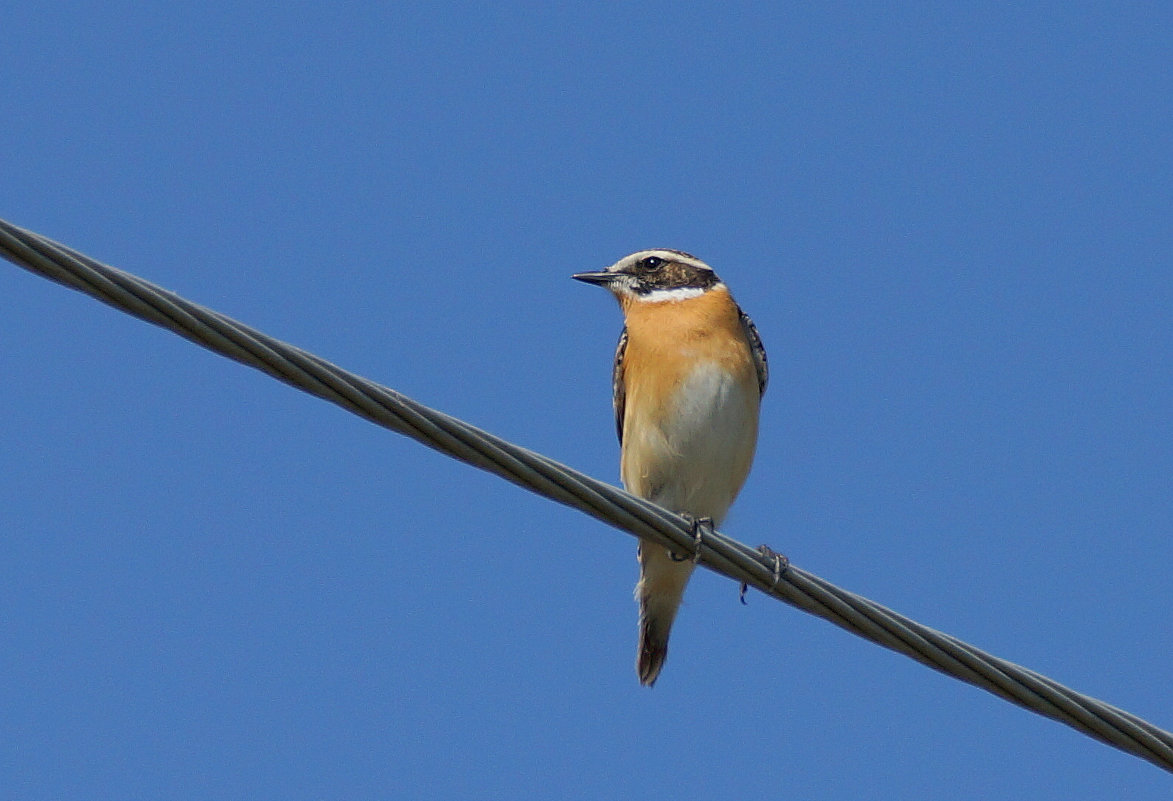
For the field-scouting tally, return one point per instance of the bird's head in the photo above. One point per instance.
(653, 276)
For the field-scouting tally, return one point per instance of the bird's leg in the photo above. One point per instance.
(781, 562)
(699, 525)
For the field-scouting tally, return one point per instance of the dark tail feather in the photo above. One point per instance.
(653, 650)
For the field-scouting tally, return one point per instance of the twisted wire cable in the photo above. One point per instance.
(602, 501)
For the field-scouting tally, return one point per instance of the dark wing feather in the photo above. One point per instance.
(758, 350)
(618, 389)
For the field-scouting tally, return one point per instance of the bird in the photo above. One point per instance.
(689, 374)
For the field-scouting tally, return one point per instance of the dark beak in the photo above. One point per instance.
(601, 278)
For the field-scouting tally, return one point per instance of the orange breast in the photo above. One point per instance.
(691, 403)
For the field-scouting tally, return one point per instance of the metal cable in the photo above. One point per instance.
(602, 501)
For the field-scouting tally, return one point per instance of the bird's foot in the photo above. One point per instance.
(699, 526)
(781, 562)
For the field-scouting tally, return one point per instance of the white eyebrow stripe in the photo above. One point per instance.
(680, 293)
(677, 256)
(667, 255)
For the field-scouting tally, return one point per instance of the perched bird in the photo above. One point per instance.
(688, 378)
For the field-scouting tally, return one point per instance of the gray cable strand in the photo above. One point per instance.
(604, 502)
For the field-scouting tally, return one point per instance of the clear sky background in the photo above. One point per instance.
(951, 223)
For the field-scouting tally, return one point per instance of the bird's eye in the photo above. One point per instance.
(652, 262)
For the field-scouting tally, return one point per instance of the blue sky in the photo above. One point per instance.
(950, 222)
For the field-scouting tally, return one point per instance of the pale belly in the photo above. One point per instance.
(696, 460)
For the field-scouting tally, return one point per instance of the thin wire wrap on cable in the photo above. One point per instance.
(602, 501)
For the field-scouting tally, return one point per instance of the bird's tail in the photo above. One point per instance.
(661, 586)
(653, 649)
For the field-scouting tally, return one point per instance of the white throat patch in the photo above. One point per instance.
(680, 293)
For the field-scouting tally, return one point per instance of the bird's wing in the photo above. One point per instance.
(618, 390)
(756, 347)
